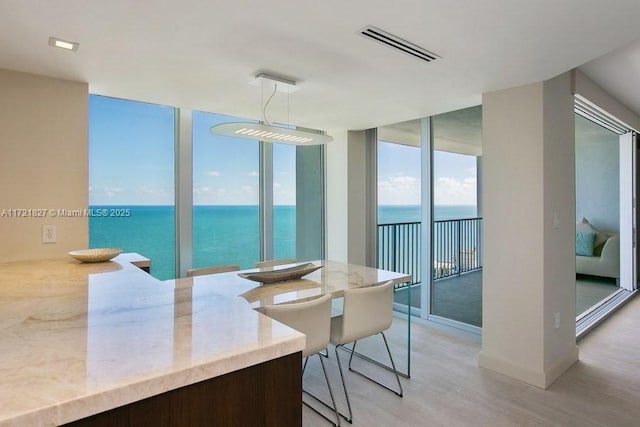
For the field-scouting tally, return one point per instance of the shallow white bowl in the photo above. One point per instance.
(95, 255)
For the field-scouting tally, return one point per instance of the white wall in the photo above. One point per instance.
(559, 290)
(597, 176)
(529, 248)
(43, 155)
(348, 198)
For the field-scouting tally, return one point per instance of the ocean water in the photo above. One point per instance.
(389, 214)
(148, 230)
(221, 234)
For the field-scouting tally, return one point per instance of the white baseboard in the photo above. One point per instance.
(538, 378)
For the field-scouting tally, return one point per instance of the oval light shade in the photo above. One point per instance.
(270, 133)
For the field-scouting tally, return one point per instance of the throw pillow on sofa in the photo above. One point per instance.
(584, 226)
(585, 243)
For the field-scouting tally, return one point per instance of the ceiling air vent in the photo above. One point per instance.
(396, 42)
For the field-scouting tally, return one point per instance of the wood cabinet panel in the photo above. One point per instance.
(268, 394)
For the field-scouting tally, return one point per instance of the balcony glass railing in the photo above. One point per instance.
(457, 247)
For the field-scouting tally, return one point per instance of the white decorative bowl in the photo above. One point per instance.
(95, 255)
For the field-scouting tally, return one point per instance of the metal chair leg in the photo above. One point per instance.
(353, 350)
(395, 371)
(393, 365)
(333, 401)
(344, 388)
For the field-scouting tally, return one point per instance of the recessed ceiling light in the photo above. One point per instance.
(63, 44)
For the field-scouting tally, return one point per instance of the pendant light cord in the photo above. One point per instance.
(264, 109)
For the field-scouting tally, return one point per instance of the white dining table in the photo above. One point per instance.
(333, 278)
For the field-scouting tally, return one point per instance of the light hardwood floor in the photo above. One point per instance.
(448, 388)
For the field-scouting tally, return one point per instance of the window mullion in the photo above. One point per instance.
(183, 190)
(266, 200)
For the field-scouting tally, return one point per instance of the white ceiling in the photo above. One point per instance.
(202, 54)
(618, 73)
(458, 131)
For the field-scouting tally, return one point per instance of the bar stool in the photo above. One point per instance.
(274, 262)
(211, 270)
(367, 312)
(312, 318)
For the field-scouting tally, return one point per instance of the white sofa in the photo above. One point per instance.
(606, 259)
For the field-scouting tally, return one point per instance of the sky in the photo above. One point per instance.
(130, 153)
(131, 162)
(399, 176)
(131, 158)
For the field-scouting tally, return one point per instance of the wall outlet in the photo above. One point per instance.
(556, 318)
(49, 234)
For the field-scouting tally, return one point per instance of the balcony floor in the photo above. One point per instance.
(460, 297)
(456, 297)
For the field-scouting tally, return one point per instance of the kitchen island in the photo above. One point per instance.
(108, 344)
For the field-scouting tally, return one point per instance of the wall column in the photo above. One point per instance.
(361, 197)
(310, 202)
(528, 203)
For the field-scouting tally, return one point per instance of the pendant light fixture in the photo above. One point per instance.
(266, 131)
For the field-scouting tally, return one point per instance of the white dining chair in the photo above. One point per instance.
(274, 262)
(211, 270)
(366, 312)
(312, 318)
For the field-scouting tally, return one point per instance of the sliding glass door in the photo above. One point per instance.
(597, 152)
(429, 215)
(456, 289)
(606, 214)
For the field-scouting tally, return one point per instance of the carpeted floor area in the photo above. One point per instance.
(460, 297)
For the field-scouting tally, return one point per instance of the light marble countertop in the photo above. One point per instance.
(78, 339)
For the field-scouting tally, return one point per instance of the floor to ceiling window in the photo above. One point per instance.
(131, 179)
(226, 196)
(245, 208)
(247, 205)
